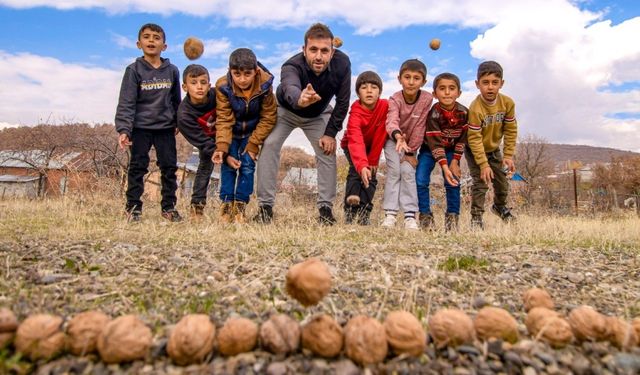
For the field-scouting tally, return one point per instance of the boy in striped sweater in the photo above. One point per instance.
(492, 121)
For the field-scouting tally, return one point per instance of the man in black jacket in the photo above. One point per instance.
(309, 80)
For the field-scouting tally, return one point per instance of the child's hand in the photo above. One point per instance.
(511, 166)
(252, 155)
(308, 96)
(401, 144)
(124, 141)
(217, 157)
(365, 175)
(455, 169)
(486, 174)
(233, 162)
(448, 175)
(411, 159)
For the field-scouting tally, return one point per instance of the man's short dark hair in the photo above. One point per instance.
(153, 27)
(243, 59)
(194, 70)
(414, 65)
(318, 31)
(489, 67)
(368, 77)
(442, 76)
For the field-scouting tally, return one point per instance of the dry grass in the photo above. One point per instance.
(65, 256)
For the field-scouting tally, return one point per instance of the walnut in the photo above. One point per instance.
(588, 324)
(40, 336)
(365, 340)
(536, 297)
(404, 333)
(237, 335)
(337, 42)
(83, 330)
(191, 339)
(323, 336)
(309, 281)
(556, 331)
(280, 334)
(636, 327)
(535, 319)
(8, 321)
(622, 334)
(124, 339)
(451, 327)
(497, 323)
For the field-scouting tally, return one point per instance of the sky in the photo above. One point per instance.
(572, 67)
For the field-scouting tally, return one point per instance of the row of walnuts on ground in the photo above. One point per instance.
(364, 339)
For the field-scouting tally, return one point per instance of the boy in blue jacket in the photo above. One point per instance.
(146, 116)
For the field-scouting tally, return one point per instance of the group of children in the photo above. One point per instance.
(229, 122)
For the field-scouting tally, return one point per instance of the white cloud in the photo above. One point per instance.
(123, 41)
(4, 125)
(37, 89)
(216, 47)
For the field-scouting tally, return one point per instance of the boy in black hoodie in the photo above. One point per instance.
(196, 122)
(146, 116)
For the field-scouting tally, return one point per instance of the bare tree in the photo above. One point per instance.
(534, 162)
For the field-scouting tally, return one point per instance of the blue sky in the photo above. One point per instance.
(572, 67)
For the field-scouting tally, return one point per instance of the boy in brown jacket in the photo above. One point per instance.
(246, 114)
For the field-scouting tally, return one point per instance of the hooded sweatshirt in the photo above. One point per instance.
(366, 134)
(149, 97)
(197, 122)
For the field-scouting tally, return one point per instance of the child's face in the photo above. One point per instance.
(489, 86)
(151, 42)
(411, 82)
(243, 78)
(447, 92)
(369, 93)
(197, 88)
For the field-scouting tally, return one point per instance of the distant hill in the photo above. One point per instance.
(586, 154)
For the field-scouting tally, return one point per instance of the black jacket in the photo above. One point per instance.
(196, 122)
(149, 97)
(334, 81)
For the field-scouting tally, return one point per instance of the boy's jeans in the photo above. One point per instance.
(479, 188)
(426, 163)
(164, 142)
(240, 190)
(201, 182)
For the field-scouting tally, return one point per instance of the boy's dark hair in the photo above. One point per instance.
(318, 31)
(489, 67)
(194, 70)
(152, 27)
(243, 59)
(368, 77)
(442, 76)
(414, 65)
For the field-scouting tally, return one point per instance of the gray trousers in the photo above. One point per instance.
(400, 190)
(269, 160)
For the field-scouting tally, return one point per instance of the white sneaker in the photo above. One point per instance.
(411, 223)
(389, 221)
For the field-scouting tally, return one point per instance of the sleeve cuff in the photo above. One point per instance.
(222, 146)
(252, 148)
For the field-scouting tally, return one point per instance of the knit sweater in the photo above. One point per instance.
(409, 119)
(447, 130)
(366, 134)
(489, 124)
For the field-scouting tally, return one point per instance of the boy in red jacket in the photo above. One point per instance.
(362, 145)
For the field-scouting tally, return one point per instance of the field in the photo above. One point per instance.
(67, 256)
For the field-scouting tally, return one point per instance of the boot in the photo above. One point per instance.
(238, 211)
(226, 212)
(451, 222)
(476, 222)
(350, 214)
(264, 215)
(196, 212)
(364, 217)
(427, 222)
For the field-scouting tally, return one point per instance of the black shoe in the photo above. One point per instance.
(326, 216)
(364, 217)
(134, 216)
(426, 221)
(476, 222)
(264, 215)
(504, 213)
(350, 214)
(172, 215)
(451, 222)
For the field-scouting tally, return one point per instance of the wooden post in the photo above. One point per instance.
(575, 189)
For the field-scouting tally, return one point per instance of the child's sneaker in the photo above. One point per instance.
(389, 221)
(196, 212)
(451, 222)
(476, 222)
(134, 216)
(411, 223)
(326, 216)
(353, 200)
(172, 215)
(427, 222)
(264, 215)
(350, 214)
(238, 211)
(364, 217)
(504, 213)
(226, 212)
